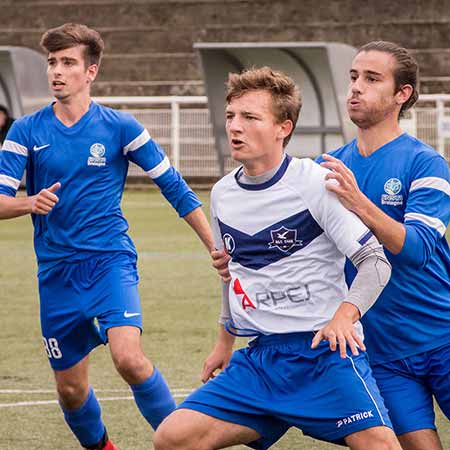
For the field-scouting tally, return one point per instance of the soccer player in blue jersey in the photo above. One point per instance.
(400, 188)
(76, 155)
(287, 237)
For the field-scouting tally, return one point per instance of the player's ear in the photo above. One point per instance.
(404, 93)
(286, 128)
(92, 71)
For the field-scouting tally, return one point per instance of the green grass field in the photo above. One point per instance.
(180, 299)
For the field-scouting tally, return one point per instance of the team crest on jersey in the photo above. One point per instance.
(392, 187)
(284, 239)
(97, 157)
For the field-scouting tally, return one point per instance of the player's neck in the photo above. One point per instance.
(261, 166)
(371, 139)
(71, 111)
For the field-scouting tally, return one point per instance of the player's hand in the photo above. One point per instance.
(220, 262)
(219, 358)
(341, 332)
(45, 200)
(346, 187)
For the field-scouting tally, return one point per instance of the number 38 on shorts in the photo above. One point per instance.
(52, 348)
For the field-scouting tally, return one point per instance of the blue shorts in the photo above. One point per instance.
(81, 301)
(408, 386)
(279, 381)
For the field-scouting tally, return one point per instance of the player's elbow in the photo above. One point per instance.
(418, 247)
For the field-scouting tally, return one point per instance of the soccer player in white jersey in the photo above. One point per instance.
(76, 155)
(400, 189)
(305, 365)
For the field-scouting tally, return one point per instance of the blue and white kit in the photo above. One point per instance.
(288, 238)
(86, 227)
(407, 330)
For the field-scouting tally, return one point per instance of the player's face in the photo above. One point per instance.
(255, 137)
(68, 75)
(371, 96)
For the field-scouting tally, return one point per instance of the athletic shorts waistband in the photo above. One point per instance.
(298, 337)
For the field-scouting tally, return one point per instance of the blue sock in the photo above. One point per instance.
(153, 398)
(86, 422)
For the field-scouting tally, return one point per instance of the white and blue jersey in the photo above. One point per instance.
(409, 181)
(287, 239)
(90, 160)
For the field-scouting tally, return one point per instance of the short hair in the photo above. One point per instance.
(405, 72)
(73, 34)
(285, 94)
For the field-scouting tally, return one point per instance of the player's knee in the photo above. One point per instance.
(377, 438)
(72, 395)
(131, 365)
(166, 438)
(173, 435)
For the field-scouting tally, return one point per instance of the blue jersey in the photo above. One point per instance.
(409, 181)
(90, 159)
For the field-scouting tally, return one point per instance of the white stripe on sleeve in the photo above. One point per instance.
(11, 146)
(431, 182)
(9, 181)
(138, 142)
(432, 222)
(158, 170)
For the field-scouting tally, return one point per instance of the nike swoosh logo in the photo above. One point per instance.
(36, 148)
(127, 315)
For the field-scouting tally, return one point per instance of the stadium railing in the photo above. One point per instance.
(182, 126)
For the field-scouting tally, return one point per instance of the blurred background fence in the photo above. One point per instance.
(182, 126)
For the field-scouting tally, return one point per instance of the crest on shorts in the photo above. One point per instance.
(97, 158)
(284, 239)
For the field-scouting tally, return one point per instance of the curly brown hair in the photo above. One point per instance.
(285, 94)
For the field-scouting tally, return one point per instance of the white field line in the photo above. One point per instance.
(52, 391)
(177, 393)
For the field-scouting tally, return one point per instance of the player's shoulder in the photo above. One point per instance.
(128, 126)
(418, 149)
(306, 178)
(28, 125)
(225, 183)
(306, 169)
(37, 117)
(420, 159)
(115, 115)
(341, 153)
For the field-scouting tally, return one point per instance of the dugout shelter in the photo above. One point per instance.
(320, 69)
(23, 80)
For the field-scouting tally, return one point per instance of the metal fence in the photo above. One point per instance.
(429, 121)
(181, 125)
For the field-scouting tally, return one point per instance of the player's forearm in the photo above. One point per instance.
(225, 312)
(225, 339)
(11, 207)
(373, 274)
(199, 223)
(388, 231)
